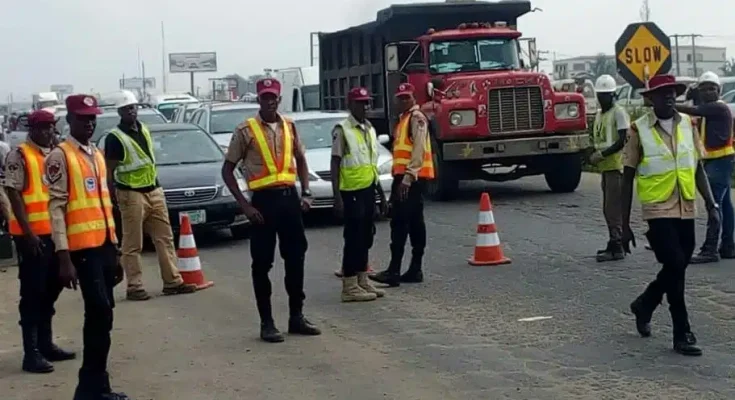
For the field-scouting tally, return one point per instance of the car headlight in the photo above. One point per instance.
(462, 118)
(240, 185)
(566, 111)
(385, 168)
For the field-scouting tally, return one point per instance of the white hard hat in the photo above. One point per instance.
(125, 98)
(709, 77)
(605, 84)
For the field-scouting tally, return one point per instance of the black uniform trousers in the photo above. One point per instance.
(359, 229)
(672, 241)
(407, 221)
(40, 286)
(96, 269)
(281, 211)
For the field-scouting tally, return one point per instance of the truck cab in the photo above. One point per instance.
(45, 99)
(486, 110)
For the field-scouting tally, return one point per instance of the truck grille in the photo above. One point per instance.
(190, 195)
(512, 110)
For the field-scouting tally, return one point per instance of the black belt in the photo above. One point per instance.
(277, 191)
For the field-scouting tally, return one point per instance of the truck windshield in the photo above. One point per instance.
(473, 55)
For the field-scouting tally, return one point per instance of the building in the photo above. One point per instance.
(707, 59)
(571, 67)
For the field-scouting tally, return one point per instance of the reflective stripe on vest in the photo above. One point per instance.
(89, 218)
(717, 152)
(659, 171)
(604, 135)
(35, 195)
(403, 146)
(277, 171)
(137, 169)
(359, 169)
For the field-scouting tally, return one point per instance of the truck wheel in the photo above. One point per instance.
(564, 173)
(444, 186)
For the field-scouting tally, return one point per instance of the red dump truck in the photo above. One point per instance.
(487, 111)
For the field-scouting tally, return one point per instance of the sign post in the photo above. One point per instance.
(642, 51)
(191, 63)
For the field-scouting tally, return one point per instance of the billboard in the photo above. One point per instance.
(137, 83)
(192, 62)
(63, 90)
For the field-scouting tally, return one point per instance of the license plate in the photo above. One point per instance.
(195, 217)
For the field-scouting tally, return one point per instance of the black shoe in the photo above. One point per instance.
(269, 333)
(606, 249)
(642, 318)
(687, 345)
(35, 363)
(727, 253)
(705, 257)
(610, 255)
(301, 326)
(416, 276)
(55, 353)
(114, 396)
(387, 278)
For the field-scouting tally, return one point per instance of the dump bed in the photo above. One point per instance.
(354, 56)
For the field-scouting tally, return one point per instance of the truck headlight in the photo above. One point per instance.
(240, 185)
(566, 111)
(385, 168)
(462, 118)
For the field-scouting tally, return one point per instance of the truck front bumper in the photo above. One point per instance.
(514, 148)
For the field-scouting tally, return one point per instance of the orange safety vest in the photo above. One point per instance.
(35, 194)
(276, 172)
(89, 218)
(711, 153)
(402, 147)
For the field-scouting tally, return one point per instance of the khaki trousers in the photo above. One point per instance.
(146, 212)
(612, 186)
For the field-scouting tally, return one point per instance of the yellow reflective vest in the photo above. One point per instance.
(137, 169)
(604, 134)
(359, 168)
(660, 171)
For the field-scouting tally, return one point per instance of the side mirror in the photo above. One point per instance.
(391, 58)
(430, 89)
(383, 139)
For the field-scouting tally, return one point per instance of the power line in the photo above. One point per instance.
(693, 37)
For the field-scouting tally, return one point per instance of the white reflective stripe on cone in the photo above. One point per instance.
(488, 239)
(189, 264)
(486, 218)
(187, 242)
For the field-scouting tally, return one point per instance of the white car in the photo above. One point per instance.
(315, 132)
(729, 98)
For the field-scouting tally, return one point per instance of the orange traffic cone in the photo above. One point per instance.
(487, 248)
(189, 265)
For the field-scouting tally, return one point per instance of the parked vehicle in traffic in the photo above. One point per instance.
(488, 117)
(168, 103)
(109, 119)
(315, 132)
(188, 162)
(183, 112)
(631, 98)
(299, 89)
(729, 98)
(220, 119)
(18, 135)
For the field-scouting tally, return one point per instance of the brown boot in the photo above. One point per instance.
(352, 292)
(364, 283)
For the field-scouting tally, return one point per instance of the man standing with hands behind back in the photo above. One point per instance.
(272, 155)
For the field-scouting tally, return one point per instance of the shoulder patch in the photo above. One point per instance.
(53, 170)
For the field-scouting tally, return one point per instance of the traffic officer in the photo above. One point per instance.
(83, 231)
(131, 165)
(608, 137)
(412, 166)
(716, 130)
(354, 172)
(272, 156)
(30, 225)
(661, 155)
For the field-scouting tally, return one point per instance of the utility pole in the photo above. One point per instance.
(692, 37)
(645, 11)
(694, 54)
(163, 58)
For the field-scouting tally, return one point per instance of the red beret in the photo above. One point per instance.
(268, 85)
(82, 104)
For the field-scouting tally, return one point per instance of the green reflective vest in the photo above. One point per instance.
(660, 171)
(137, 169)
(604, 134)
(359, 168)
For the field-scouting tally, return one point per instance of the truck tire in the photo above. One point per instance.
(445, 185)
(564, 173)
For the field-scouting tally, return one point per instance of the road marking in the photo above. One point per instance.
(533, 319)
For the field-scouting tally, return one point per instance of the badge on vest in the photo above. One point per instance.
(90, 184)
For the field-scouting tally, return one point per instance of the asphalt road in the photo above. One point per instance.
(456, 336)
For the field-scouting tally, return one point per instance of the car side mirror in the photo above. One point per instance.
(383, 139)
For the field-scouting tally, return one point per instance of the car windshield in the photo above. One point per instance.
(473, 55)
(185, 146)
(316, 133)
(225, 121)
(167, 109)
(728, 87)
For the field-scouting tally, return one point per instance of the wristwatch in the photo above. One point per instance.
(306, 193)
(715, 206)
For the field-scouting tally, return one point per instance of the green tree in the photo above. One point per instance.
(729, 68)
(603, 65)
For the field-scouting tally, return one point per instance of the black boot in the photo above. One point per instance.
(387, 277)
(705, 257)
(642, 317)
(614, 252)
(727, 253)
(47, 347)
(298, 325)
(269, 333)
(687, 345)
(33, 361)
(605, 250)
(414, 273)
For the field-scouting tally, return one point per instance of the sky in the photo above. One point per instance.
(92, 44)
